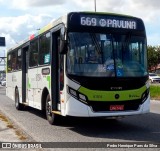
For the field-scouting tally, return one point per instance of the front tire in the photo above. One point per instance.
(51, 117)
(17, 104)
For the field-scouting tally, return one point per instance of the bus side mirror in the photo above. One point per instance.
(63, 42)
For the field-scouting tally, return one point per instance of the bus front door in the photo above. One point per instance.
(57, 72)
(25, 74)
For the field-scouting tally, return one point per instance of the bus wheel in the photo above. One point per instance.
(17, 104)
(51, 117)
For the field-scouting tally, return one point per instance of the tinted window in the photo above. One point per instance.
(19, 60)
(9, 65)
(33, 60)
(13, 60)
(106, 55)
(44, 49)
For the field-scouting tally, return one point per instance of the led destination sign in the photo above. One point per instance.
(96, 22)
(108, 22)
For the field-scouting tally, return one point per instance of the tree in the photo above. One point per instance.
(158, 53)
(153, 57)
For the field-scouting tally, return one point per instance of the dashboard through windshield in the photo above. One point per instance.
(106, 55)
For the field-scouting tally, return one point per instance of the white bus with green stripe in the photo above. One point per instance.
(84, 64)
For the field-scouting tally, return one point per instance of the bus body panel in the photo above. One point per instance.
(76, 108)
(14, 81)
(144, 108)
(62, 105)
(43, 81)
(32, 85)
(43, 78)
(36, 84)
(10, 89)
(17, 83)
(146, 105)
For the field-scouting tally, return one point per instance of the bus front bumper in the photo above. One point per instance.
(79, 109)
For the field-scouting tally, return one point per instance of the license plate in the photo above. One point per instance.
(116, 107)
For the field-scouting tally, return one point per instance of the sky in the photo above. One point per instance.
(21, 18)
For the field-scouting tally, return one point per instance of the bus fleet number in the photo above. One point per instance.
(88, 21)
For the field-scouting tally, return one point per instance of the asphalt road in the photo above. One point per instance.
(130, 129)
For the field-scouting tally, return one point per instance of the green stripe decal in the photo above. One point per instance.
(125, 95)
(49, 81)
(29, 84)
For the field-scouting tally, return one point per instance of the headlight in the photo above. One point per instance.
(81, 97)
(73, 92)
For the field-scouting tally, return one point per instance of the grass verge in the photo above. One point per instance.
(155, 92)
(10, 125)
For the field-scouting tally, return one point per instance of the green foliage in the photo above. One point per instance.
(155, 92)
(153, 56)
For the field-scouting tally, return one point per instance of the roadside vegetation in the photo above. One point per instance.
(10, 125)
(153, 62)
(155, 92)
(153, 57)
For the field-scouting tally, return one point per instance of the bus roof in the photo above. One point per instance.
(52, 24)
(107, 13)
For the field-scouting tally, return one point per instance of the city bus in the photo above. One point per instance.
(84, 64)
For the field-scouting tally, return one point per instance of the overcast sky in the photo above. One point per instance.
(20, 18)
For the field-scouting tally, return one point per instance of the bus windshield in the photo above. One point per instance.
(106, 55)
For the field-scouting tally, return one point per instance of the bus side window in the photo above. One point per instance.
(9, 66)
(13, 60)
(35, 57)
(19, 59)
(44, 49)
(14, 63)
(33, 60)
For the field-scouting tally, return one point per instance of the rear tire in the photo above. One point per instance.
(17, 104)
(51, 117)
